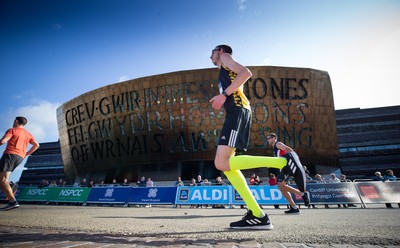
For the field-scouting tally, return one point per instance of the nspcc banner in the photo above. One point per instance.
(33, 194)
(68, 194)
(203, 195)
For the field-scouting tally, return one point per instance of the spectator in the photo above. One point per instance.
(91, 184)
(206, 182)
(252, 179)
(179, 182)
(378, 176)
(390, 177)
(319, 179)
(257, 181)
(343, 179)
(60, 182)
(114, 182)
(101, 184)
(218, 182)
(273, 181)
(83, 183)
(141, 182)
(334, 179)
(199, 181)
(149, 182)
(44, 183)
(192, 184)
(125, 182)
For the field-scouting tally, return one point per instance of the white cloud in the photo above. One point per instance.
(42, 120)
(122, 79)
(42, 123)
(242, 4)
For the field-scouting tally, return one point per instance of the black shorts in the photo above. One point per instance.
(294, 169)
(9, 162)
(236, 129)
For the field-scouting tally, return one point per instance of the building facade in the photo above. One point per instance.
(163, 126)
(44, 164)
(369, 141)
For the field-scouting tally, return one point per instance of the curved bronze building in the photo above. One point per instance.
(163, 126)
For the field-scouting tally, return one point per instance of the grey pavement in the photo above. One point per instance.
(162, 226)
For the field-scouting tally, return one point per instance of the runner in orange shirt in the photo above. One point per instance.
(17, 139)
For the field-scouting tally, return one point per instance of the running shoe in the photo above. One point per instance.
(293, 210)
(10, 206)
(249, 221)
(306, 198)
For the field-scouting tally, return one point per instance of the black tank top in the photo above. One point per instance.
(277, 152)
(237, 99)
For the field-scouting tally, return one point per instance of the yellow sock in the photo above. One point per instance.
(244, 162)
(239, 183)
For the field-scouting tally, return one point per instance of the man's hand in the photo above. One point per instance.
(218, 101)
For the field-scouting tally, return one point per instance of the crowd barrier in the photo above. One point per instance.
(330, 193)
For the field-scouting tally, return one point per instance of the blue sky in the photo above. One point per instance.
(52, 50)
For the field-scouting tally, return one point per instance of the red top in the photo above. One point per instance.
(18, 142)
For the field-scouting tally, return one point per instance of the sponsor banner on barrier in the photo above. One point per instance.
(109, 195)
(379, 192)
(326, 193)
(203, 195)
(68, 194)
(33, 194)
(264, 194)
(152, 195)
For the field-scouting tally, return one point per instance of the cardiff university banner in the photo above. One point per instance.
(330, 193)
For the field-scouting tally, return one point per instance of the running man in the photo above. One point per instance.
(235, 134)
(292, 169)
(17, 139)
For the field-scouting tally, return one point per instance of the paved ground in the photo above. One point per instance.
(163, 226)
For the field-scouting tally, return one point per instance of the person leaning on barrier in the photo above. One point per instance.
(390, 177)
(378, 176)
(320, 179)
(344, 179)
(178, 182)
(334, 179)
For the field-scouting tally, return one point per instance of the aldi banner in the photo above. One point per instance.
(379, 192)
(152, 195)
(264, 195)
(109, 195)
(33, 194)
(330, 193)
(68, 194)
(203, 195)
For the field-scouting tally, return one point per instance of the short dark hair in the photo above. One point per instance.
(21, 120)
(225, 48)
